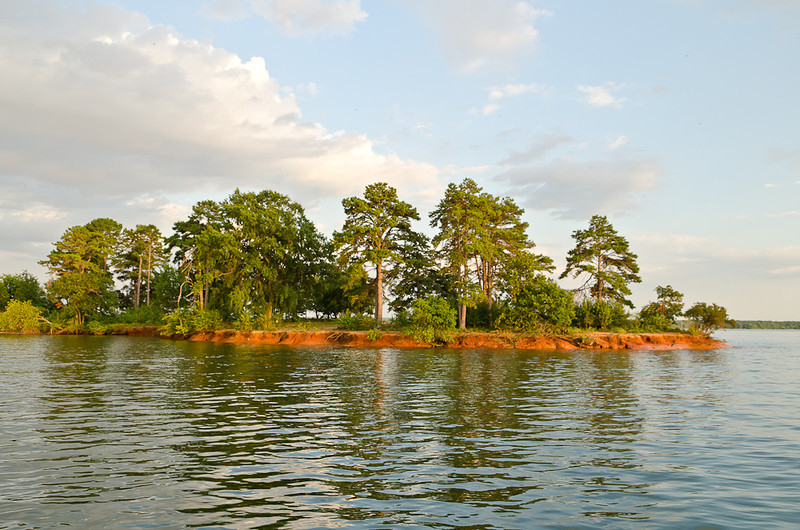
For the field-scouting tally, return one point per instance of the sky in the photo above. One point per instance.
(676, 119)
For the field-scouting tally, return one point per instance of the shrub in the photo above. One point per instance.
(374, 334)
(185, 321)
(540, 305)
(20, 317)
(601, 315)
(432, 320)
(355, 322)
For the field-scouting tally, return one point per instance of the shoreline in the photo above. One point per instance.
(468, 340)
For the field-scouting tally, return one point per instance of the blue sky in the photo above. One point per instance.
(676, 119)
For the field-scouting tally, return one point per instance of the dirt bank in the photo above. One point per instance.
(588, 341)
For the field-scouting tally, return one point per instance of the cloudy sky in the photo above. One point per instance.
(677, 119)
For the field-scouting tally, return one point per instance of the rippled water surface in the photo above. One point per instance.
(113, 432)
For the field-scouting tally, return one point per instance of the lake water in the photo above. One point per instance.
(114, 432)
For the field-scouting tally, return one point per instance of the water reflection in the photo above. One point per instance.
(143, 432)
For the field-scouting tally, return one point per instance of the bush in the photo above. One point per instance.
(355, 322)
(540, 305)
(432, 320)
(185, 321)
(20, 317)
(141, 315)
(600, 315)
(374, 334)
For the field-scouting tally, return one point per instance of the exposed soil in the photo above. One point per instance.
(588, 341)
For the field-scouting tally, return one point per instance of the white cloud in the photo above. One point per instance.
(122, 107)
(577, 190)
(769, 185)
(602, 95)
(477, 35)
(511, 90)
(304, 17)
(617, 142)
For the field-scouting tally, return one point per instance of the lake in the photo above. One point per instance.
(116, 432)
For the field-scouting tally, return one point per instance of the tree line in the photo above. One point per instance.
(254, 258)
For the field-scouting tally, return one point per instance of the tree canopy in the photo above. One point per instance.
(374, 232)
(602, 257)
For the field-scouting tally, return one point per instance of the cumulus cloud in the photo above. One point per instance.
(477, 35)
(497, 93)
(602, 95)
(617, 142)
(295, 17)
(121, 106)
(577, 190)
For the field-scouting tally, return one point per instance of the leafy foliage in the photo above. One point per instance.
(604, 259)
(20, 317)
(189, 320)
(601, 315)
(707, 318)
(663, 313)
(432, 320)
(374, 232)
(538, 305)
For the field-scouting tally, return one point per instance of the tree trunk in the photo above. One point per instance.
(137, 294)
(149, 269)
(379, 293)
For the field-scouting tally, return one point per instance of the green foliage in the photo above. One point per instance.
(4, 297)
(374, 232)
(80, 264)
(20, 317)
(24, 287)
(540, 305)
(707, 318)
(142, 315)
(432, 320)
(604, 259)
(662, 314)
(95, 327)
(374, 334)
(138, 253)
(601, 315)
(189, 320)
(355, 322)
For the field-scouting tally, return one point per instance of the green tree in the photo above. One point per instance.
(432, 320)
(193, 242)
(604, 259)
(4, 297)
(707, 318)
(373, 233)
(664, 312)
(139, 252)
(458, 218)
(539, 304)
(20, 317)
(24, 287)
(79, 265)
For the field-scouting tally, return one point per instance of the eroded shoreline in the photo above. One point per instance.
(390, 339)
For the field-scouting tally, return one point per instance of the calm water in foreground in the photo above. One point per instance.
(111, 432)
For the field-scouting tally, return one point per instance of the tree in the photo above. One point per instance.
(79, 265)
(459, 221)
(665, 310)
(603, 257)
(139, 252)
(538, 305)
(373, 233)
(24, 287)
(707, 318)
(253, 253)
(20, 317)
